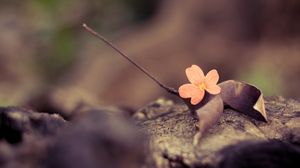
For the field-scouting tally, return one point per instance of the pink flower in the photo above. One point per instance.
(199, 84)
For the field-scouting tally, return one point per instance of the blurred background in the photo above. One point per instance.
(47, 60)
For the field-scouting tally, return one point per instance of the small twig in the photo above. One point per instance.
(93, 32)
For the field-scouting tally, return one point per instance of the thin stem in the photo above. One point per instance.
(93, 32)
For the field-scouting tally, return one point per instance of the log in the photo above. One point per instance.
(171, 128)
(159, 135)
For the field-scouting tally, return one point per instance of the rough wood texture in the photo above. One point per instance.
(171, 128)
(104, 137)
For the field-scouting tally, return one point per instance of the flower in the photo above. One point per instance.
(199, 84)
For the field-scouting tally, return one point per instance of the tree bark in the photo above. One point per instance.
(159, 135)
(171, 128)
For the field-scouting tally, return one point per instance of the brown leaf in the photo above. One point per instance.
(208, 112)
(244, 98)
(240, 96)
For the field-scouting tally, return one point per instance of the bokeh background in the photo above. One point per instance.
(47, 60)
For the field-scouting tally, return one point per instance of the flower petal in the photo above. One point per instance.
(211, 78)
(187, 90)
(197, 96)
(195, 74)
(213, 89)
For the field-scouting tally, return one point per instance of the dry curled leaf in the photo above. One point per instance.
(208, 112)
(208, 108)
(244, 98)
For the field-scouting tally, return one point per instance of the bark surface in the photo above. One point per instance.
(171, 128)
(159, 135)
